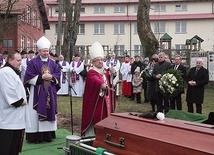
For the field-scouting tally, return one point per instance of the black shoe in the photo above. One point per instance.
(131, 99)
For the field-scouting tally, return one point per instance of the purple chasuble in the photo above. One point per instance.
(45, 97)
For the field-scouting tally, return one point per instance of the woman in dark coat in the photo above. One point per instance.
(197, 78)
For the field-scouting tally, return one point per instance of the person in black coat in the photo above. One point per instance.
(177, 99)
(158, 72)
(197, 78)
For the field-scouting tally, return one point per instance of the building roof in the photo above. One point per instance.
(194, 41)
(198, 38)
(49, 2)
(134, 17)
(166, 37)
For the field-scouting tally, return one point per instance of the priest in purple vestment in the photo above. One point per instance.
(42, 77)
(99, 95)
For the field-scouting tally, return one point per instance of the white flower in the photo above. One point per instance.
(174, 78)
(160, 116)
(170, 75)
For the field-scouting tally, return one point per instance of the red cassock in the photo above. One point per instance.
(96, 107)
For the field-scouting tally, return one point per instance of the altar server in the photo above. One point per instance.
(14, 114)
(76, 66)
(64, 76)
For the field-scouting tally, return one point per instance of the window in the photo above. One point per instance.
(119, 9)
(138, 50)
(81, 29)
(28, 44)
(99, 28)
(56, 9)
(22, 42)
(135, 28)
(99, 9)
(82, 10)
(8, 43)
(39, 23)
(62, 29)
(119, 28)
(182, 7)
(159, 27)
(22, 18)
(180, 27)
(160, 8)
(34, 46)
(180, 49)
(135, 8)
(28, 15)
(119, 49)
(80, 49)
(34, 18)
(180, 46)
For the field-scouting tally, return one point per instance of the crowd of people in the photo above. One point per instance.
(34, 79)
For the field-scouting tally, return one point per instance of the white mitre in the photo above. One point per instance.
(43, 42)
(96, 50)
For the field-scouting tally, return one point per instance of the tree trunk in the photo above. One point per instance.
(59, 28)
(147, 38)
(66, 40)
(75, 24)
(71, 28)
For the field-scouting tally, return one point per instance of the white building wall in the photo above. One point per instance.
(204, 28)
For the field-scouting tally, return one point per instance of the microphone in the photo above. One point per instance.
(57, 62)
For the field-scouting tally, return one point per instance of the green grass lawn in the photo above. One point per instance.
(124, 105)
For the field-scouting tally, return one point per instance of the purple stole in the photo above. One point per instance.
(114, 63)
(27, 61)
(74, 76)
(1, 61)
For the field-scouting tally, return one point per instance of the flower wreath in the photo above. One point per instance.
(145, 74)
(171, 83)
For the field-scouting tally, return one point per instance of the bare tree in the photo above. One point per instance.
(59, 33)
(68, 18)
(71, 27)
(147, 38)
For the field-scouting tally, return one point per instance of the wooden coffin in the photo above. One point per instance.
(125, 134)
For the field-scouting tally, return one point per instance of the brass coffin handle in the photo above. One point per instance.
(120, 144)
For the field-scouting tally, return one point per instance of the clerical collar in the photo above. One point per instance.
(44, 59)
(99, 70)
(17, 71)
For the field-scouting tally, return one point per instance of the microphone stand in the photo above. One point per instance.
(70, 94)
